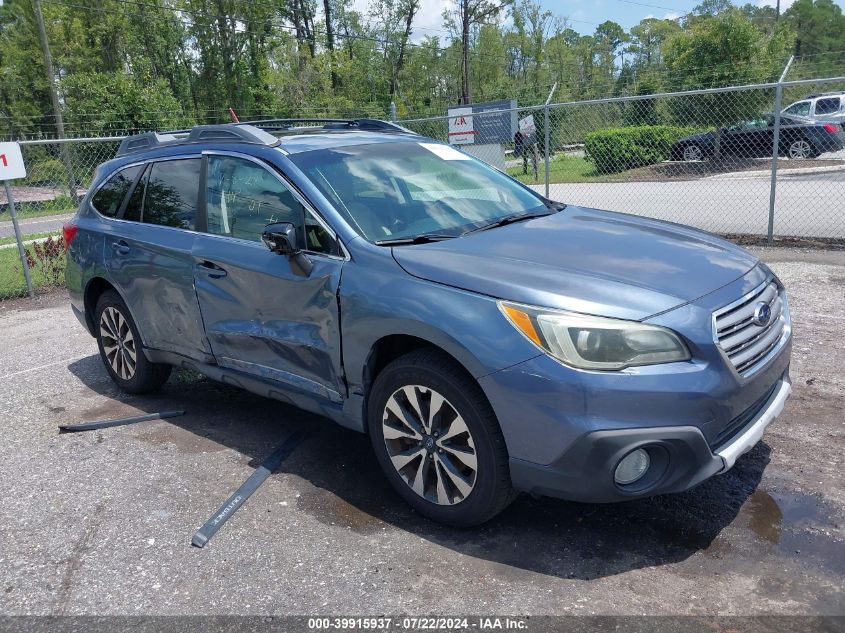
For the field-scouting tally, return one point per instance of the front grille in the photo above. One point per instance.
(744, 341)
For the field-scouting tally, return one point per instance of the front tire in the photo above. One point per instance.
(438, 441)
(120, 348)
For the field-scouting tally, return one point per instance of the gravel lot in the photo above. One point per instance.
(101, 522)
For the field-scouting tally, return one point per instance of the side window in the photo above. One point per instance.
(171, 193)
(242, 197)
(110, 196)
(827, 106)
(802, 108)
(136, 199)
(318, 239)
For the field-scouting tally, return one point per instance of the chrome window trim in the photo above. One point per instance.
(290, 186)
(764, 360)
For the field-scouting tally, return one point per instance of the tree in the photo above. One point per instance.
(819, 27)
(466, 15)
(722, 51)
(608, 42)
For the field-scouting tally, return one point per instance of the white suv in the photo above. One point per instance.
(821, 107)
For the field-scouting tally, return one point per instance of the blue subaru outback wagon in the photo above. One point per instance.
(487, 339)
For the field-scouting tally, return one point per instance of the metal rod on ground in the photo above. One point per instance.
(104, 424)
(546, 133)
(776, 150)
(209, 529)
(11, 202)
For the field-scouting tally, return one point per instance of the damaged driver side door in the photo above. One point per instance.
(263, 314)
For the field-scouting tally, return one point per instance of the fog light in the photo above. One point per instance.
(632, 467)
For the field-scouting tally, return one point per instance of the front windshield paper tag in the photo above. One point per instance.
(444, 151)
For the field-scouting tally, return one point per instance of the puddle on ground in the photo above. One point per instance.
(797, 525)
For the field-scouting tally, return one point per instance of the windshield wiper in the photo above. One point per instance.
(422, 238)
(508, 219)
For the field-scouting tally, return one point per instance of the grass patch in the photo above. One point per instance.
(31, 236)
(562, 168)
(12, 283)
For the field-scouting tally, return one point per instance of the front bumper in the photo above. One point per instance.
(680, 458)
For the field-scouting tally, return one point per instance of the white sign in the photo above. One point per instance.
(527, 126)
(11, 162)
(461, 130)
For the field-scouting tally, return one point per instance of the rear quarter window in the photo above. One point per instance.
(827, 106)
(110, 196)
(172, 192)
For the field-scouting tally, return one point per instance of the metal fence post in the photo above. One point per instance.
(546, 133)
(21, 250)
(776, 150)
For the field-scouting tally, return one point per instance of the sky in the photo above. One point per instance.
(584, 15)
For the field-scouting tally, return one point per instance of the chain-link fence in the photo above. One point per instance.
(58, 175)
(703, 158)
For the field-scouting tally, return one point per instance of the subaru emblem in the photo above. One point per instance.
(762, 314)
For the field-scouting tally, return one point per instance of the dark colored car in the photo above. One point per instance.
(755, 139)
(488, 340)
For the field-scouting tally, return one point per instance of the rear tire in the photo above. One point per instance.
(801, 149)
(120, 347)
(438, 441)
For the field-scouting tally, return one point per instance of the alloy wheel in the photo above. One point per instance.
(692, 153)
(800, 149)
(430, 445)
(118, 343)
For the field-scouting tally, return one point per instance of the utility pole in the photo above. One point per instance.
(777, 12)
(54, 96)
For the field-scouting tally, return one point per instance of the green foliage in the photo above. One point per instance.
(722, 50)
(108, 103)
(617, 149)
(124, 67)
(46, 172)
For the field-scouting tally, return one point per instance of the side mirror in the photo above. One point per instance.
(280, 237)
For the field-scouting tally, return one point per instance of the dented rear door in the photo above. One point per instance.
(149, 257)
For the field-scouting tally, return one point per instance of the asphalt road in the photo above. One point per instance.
(807, 205)
(28, 226)
(101, 522)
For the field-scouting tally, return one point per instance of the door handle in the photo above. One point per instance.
(120, 247)
(212, 270)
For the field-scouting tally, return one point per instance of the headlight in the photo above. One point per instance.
(590, 342)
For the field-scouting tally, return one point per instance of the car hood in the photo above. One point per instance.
(584, 260)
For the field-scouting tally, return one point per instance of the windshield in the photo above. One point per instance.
(389, 191)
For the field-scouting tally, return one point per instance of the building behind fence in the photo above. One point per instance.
(651, 155)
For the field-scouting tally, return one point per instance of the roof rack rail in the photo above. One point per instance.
(372, 125)
(225, 133)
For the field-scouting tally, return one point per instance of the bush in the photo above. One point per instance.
(48, 257)
(49, 172)
(617, 149)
